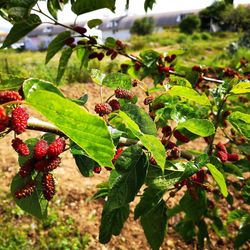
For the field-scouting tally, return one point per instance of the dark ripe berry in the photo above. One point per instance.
(81, 42)
(109, 52)
(152, 161)
(137, 66)
(48, 186)
(175, 153)
(19, 120)
(100, 56)
(47, 165)
(170, 59)
(92, 41)
(199, 177)
(108, 168)
(135, 82)
(207, 139)
(223, 156)
(172, 194)
(27, 168)
(4, 119)
(160, 68)
(97, 170)
(103, 109)
(117, 154)
(221, 147)
(25, 191)
(233, 157)
(41, 149)
(69, 41)
(20, 147)
(93, 55)
(167, 130)
(115, 105)
(197, 68)
(124, 94)
(72, 46)
(8, 96)
(180, 137)
(80, 30)
(230, 72)
(114, 55)
(226, 113)
(56, 147)
(148, 100)
(119, 43)
(166, 69)
(158, 106)
(170, 145)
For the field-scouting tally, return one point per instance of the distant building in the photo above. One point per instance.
(119, 27)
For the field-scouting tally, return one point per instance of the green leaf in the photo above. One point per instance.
(243, 236)
(201, 127)
(151, 197)
(97, 76)
(237, 214)
(181, 81)
(85, 165)
(112, 222)
(117, 80)
(194, 208)
(186, 228)
(110, 42)
(143, 120)
(32, 84)
(21, 29)
(190, 95)
(10, 82)
(80, 7)
(56, 44)
(149, 57)
(86, 130)
(241, 122)
(219, 178)
(151, 142)
(34, 204)
(83, 56)
(148, 4)
(154, 224)
(245, 192)
(66, 54)
(94, 22)
(132, 165)
(241, 88)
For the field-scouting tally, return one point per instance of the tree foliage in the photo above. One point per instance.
(190, 24)
(143, 26)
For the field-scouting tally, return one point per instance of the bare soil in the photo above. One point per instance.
(74, 190)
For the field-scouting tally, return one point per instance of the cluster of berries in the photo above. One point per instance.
(45, 158)
(15, 118)
(224, 155)
(98, 169)
(113, 105)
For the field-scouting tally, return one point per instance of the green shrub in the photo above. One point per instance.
(190, 24)
(205, 36)
(182, 38)
(143, 26)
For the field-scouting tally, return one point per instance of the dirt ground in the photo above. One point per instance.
(74, 189)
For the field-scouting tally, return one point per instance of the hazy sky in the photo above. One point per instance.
(136, 8)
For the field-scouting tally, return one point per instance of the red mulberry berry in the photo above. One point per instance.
(69, 41)
(80, 30)
(48, 186)
(20, 147)
(152, 160)
(115, 105)
(103, 109)
(135, 82)
(167, 130)
(119, 43)
(97, 170)
(114, 55)
(56, 147)
(27, 168)
(93, 55)
(4, 119)
(109, 52)
(8, 96)
(137, 66)
(221, 147)
(170, 59)
(199, 177)
(117, 154)
(223, 156)
(123, 94)
(25, 191)
(19, 120)
(233, 157)
(100, 56)
(108, 168)
(148, 100)
(47, 165)
(41, 149)
(197, 68)
(180, 137)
